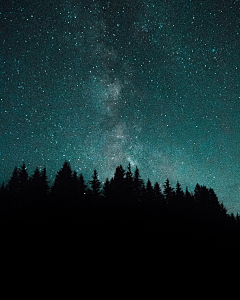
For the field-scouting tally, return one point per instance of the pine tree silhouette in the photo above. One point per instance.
(168, 192)
(129, 184)
(123, 200)
(179, 192)
(95, 187)
(35, 189)
(158, 195)
(38, 184)
(38, 193)
(2, 191)
(13, 185)
(23, 177)
(138, 185)
(188, 195)
(129, 175)
(63, 181)
(107, 190)
(118, 185)
(62, 192)
(118, 178)
(178, 196)
(149, 191)
(82, 187)
(44, 182)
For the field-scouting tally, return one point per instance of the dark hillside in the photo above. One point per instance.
(122, 206)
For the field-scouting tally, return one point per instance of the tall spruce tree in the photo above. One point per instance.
(82, 186)
(38, 184)
(158, 195)
(13, 185)
(179, 194)
(138, 185)
(23, 177)
(44, 182)
(119, 184)
(107, 190)
(168, 192)
(149, 191)
(62, 187)
(119, 176)
(129, 183)
(95, 186)
(2, 191)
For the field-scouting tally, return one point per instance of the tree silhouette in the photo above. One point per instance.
(38, 192)
(38, 183)
(82, 187)
(188, 195)
(2, 190)
(107, 190)
(63, 181)
(124, 199)
(138, 185)
(23, 177)
(213, 200)
(168, 192)
(206, 198)
(197, 192)
(95, 186)
(13, 184)
(158, 195)
(178, 196)
(118, 178)
(129, 175)
(118, 186)
(129, 183)
(63, 192)
(149, 191)
(179, 192)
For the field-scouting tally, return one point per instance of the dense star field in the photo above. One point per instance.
(103, 83)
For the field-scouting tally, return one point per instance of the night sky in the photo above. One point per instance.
(100, 83)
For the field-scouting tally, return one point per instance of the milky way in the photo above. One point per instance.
(102, 83)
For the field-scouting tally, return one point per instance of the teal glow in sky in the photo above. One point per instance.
(103, 83)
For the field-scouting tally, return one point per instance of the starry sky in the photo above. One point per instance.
(100, 83)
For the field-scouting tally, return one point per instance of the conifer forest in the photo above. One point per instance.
(123, 202)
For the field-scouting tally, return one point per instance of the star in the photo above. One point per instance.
(102, 84)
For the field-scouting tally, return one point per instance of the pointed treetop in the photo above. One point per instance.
(119, 173)
(95, 184)
(149, 185)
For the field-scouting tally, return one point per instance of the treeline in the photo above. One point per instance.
(122, 200)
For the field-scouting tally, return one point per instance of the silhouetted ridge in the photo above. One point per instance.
(124, 200)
